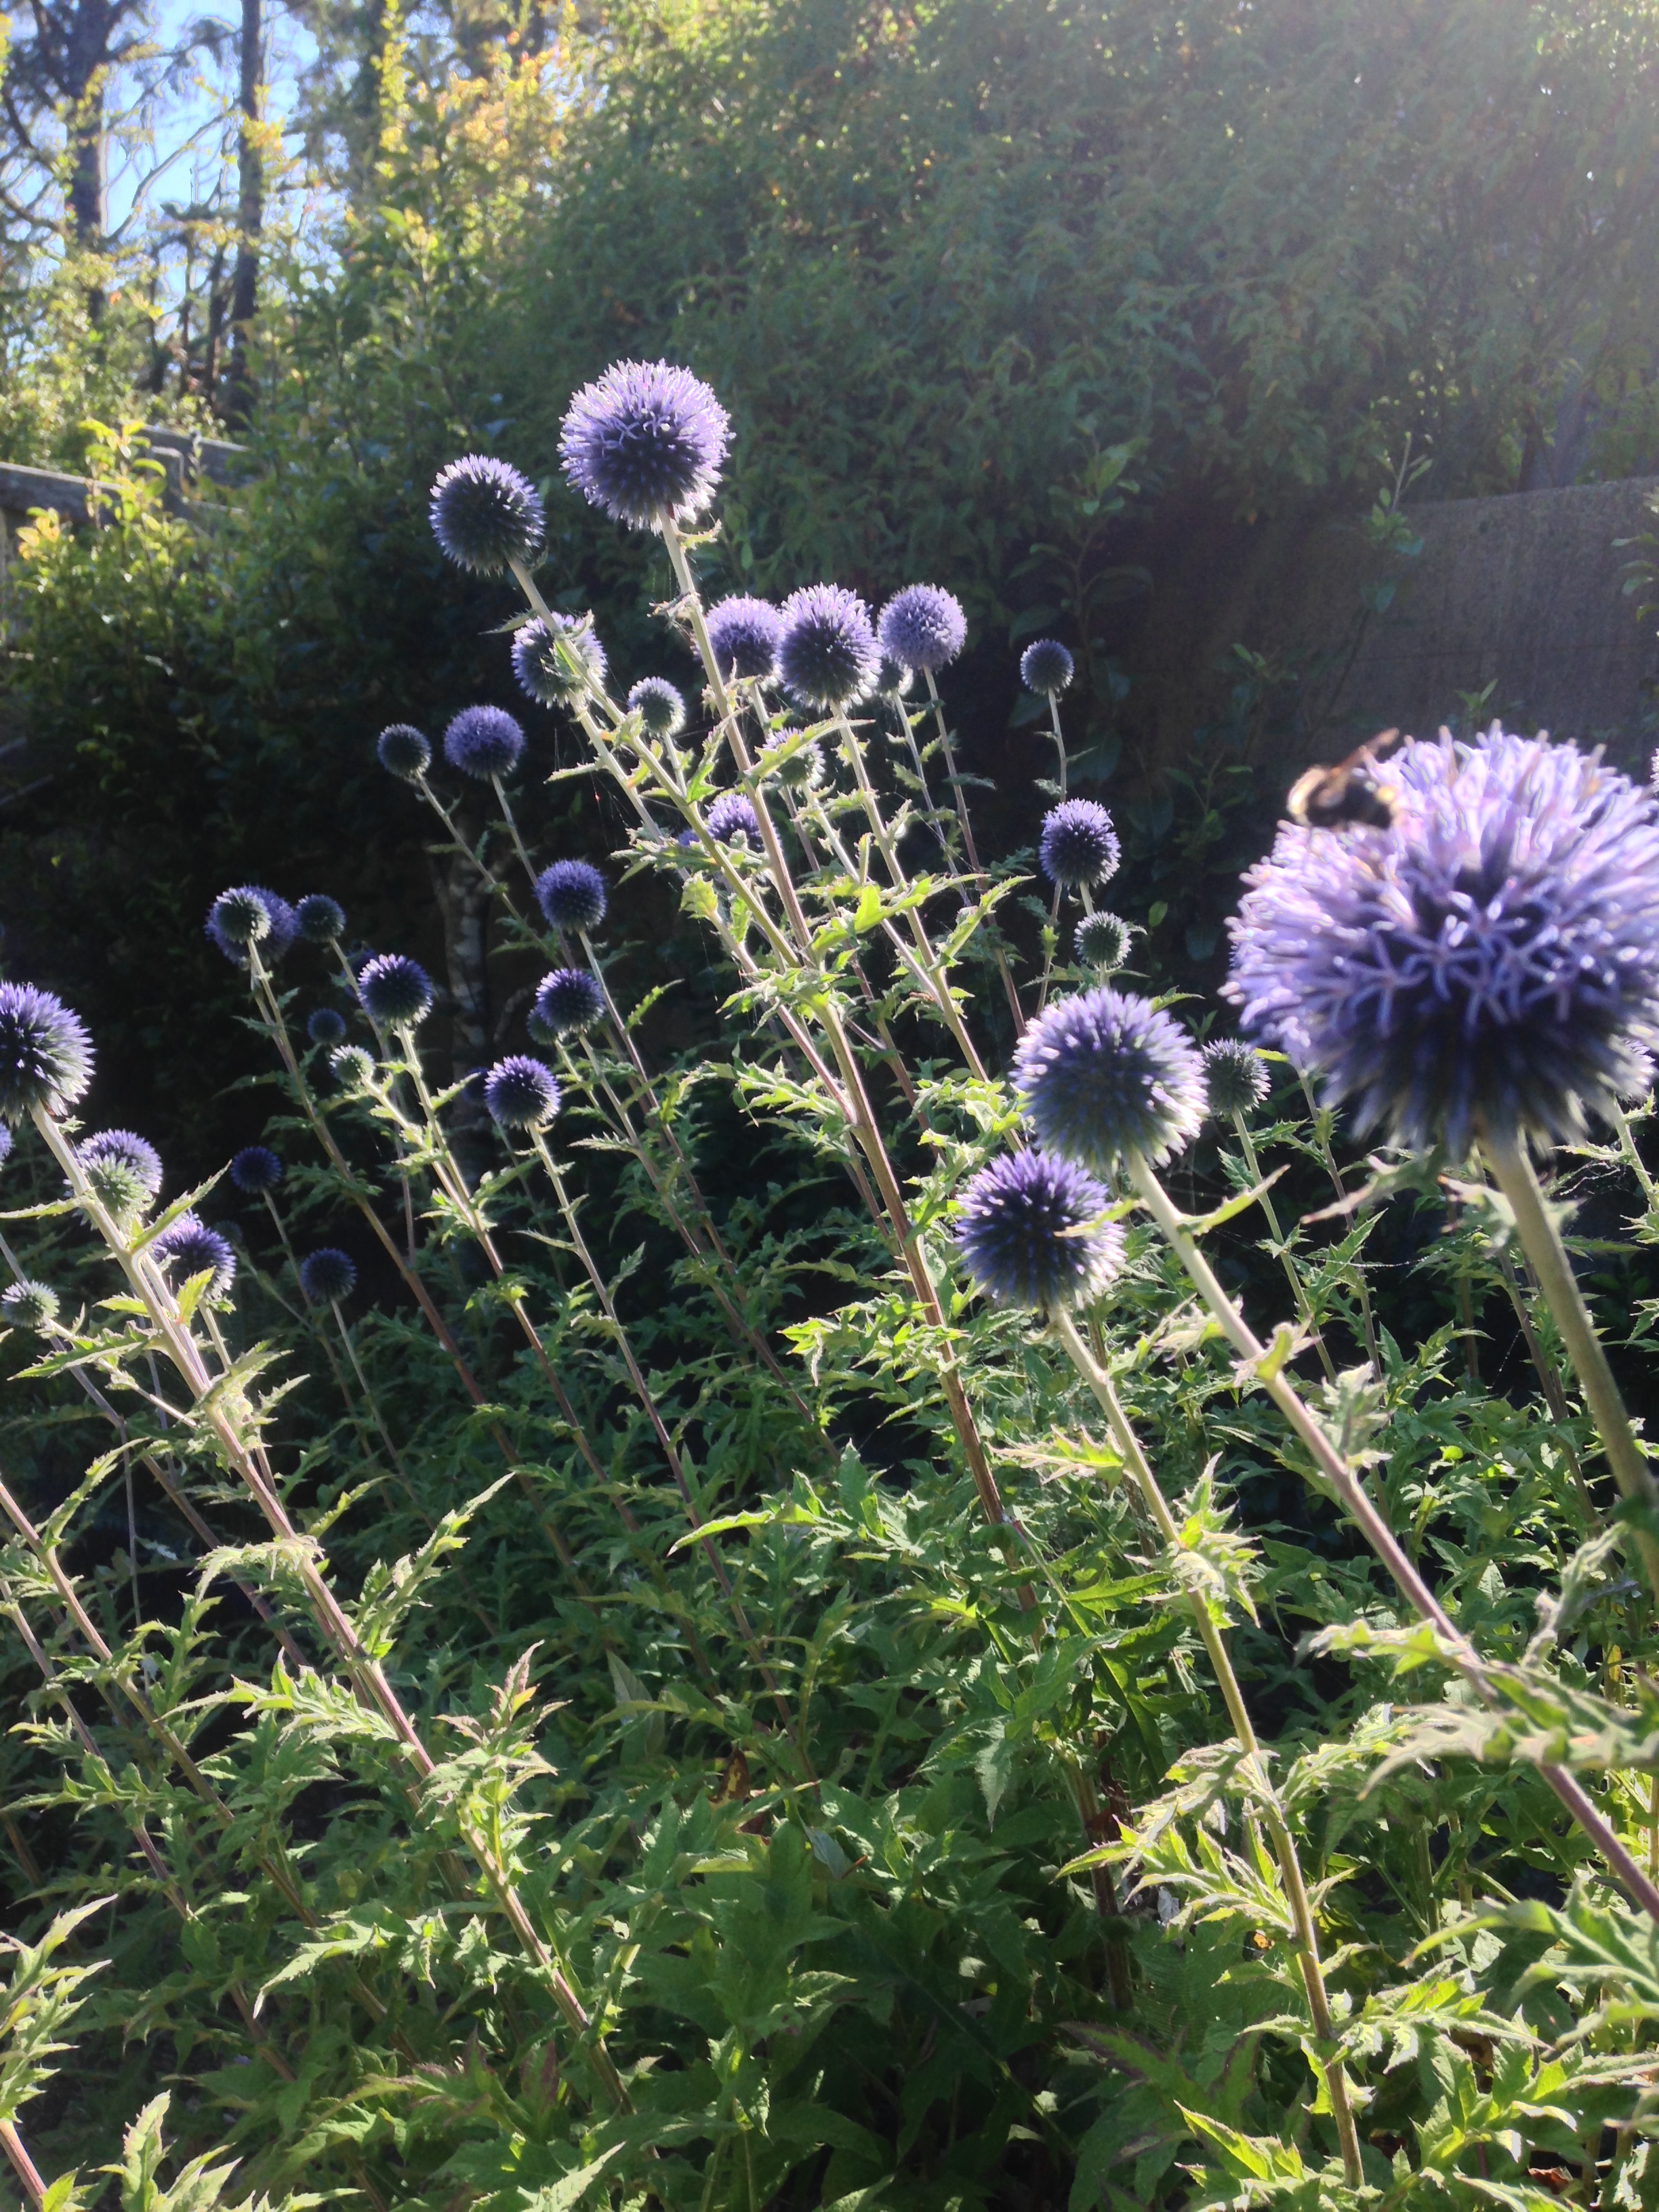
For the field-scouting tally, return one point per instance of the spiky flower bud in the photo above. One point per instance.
(1103, 941)
(732, 818)
(402, 751)
(397, 992)
(124, 1168)
(325, 1026)
(923, 626)
(743, 635)
(321, 919)
(571, 895)
(1016, 1232)
(659, 707)
(485, 515)
(646, 440)
(327, 1274)
(805, 768)
(1046, 667)
(351, 1068)
(1078, 845)
(1235, 1077)
(521, 1093)
(483, 742)
(1104, 1074)
(45, 1055)
(187, 1248)
(538, 669)
(255, 1168)
(250, 915)
(828, 656)
(568, 999)
(28, 1305)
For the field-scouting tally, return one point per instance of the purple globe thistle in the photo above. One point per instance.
(1104, 1073)
(1012, 1229)
(325, 1026)
(28, 1305)
(1103, 941)
(733, 820)
(485, 515)
(1492, 958)
(804, 769)
(543, 675)
(647, 440)
(124, 1168)
(402, 751)
(320, 919)
(1236, 1077)
(187, 1248)
(827, 655)
(326, 1274)
(923, 626)
(744, 636)
(521, 1093)
(251, 914)
(397, 992)
(255, 1170)
(45, 1055)
(658, 706)
(571, 895)
(1078, 845)
(568, 999)
(1046, 667)
(483, 742)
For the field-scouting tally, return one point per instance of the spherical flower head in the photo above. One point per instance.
(485, 515)
(28, 1305)
(187, 1248)
(397, 992)
(744, 636)
(1046, 667)
(483, 742)
(923, 626)
(658, 706)
(325, 1026)
(1492, 958)
(256, 1169)
(250, 915)
(568, 999)
(827, 655)
(893, 678)
(402, 751)
(321, 919)
(733, 821)
(45, 1055)
(646, 440)
(571, 895)
(1011, 1233)
(1103, 941)
(351, 1068)
(541, 673)
(804, 769)
(1079, 844)
(326, 1274)
(1236, 1076)
(124, 1168)
(1106, 1073)
(521, 1093)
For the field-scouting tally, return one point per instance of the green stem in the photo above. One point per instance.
(1253, 1168)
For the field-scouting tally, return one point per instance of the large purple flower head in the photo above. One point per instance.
(1493, 957)
(45, 1055)
(485, 515)
(1013, 1233)
(659, 706)
(1105, 1073)
(733, 821)
(571, 895)
(1046, 667)
(568, 999)
(397, 992)
(923, 626)
(1235, 1077)
(647, 440)
(540, 673)
(827, 655)
(483, 742)
(124, 1168)
(521, 1093)
(744, 636)
(187, 1247)
(251, 914)
(1079, 844)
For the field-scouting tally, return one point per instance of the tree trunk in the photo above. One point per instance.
(250, 214)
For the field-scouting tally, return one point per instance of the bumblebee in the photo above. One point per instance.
(1331, 798)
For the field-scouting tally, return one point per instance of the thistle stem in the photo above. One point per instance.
(1253, 1168)
(1620, 1121)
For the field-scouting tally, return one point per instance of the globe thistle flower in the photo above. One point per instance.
(568, 999)
(187, 1248)
(325, 1026)
(522, 1093)
(28, 1305)
(1011, 1231)
(251, 914)
(744, 636)
(733, 820)
(351, 1068)
(1106, 1073)
(255, 1170)
(483, 742)
(571, 895)
(658, 706)
(893, 678)
(320, 919)
(1046, 667)
(804, 769)
(827, 655)
(327, 1274)
(397, 992)
(1236, 1076)
(537, 666)
(45, 1055)
(1103, 941)
(1491, 959)
(124, 1168)
(646, 440)
(402, 751)
(1078, 845)
(485, 515)
(923, 626)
